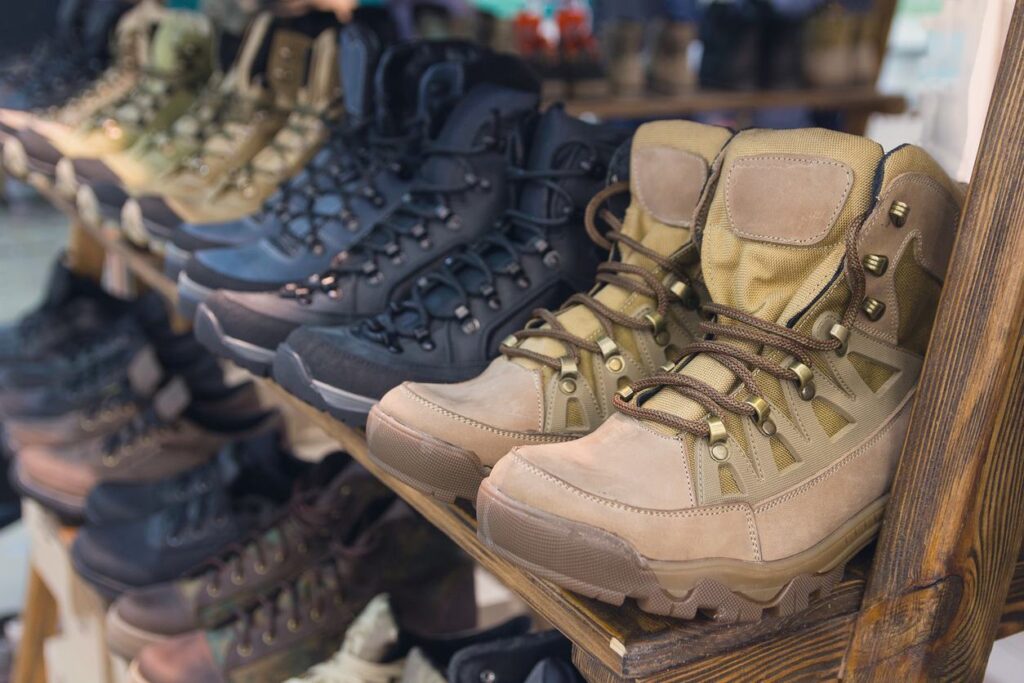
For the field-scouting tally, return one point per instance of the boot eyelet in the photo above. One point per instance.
(268, 639)
(842, 335)
(717, 438)
(657, 322)
(898, 213)
(873, 309)
(567, 375)
(244, 650)
(761, 416)
(293, 625)
(805, 380)
(237, 578)
(876, 264)
(212, 590)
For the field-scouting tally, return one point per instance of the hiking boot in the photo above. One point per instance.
(359, 55)
(451, 323)
(331, 500)
(624, 50)
(303, 621)
(217, 174)
(556, 378)
(335, 221)
(378, 650)
(746, 477)
(179, 62)
(172, 541)
(171, 435)
(119, 502)
(245, 189)
(731, 36)
(830, 48)
(508, 658)
(456, 198)
(29, 150)
(72, 304)
(670, 71)
(63, 67)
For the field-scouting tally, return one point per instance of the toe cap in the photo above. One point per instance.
(186, 659)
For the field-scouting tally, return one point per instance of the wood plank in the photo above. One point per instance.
(856, 99)
(39, 622)
(943, 570)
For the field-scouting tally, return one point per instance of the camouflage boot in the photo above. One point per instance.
(30, 150)
(303, 621)
(556, 378)
(746, 477)
(180, 61)
(253, 115)
(237, 577)
(243, 191)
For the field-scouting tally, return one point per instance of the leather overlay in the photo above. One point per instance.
(656, 173)
(930, 230)
(786, 198)
(286, 70)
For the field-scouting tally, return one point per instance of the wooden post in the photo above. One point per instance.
(955, 521)
(39, 622)
(884, 10)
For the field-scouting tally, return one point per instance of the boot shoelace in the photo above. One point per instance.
(301, 518)
(425, 201)
(520, 234)
(616, 273)
(744, 329)
(366, 152)
(287, 146)
(233, 120)
(142, 431)
(308, 596)
(196, 518)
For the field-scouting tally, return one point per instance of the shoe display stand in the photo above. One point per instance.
(926, 602)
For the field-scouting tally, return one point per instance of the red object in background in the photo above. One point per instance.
(529, 40)
(574, 27)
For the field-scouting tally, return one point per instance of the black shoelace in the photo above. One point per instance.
(144, 428)
(363, 153)
(520, 234)
(425, 202)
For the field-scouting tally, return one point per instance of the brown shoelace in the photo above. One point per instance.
(612, 273)
(740, 361)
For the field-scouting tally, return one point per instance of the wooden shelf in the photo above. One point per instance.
(620, 643)
(858, 99)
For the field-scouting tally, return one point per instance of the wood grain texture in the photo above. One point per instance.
(39, 622)
(955, 520)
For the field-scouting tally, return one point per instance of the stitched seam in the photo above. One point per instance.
(682, 514)
(479, 425)
(834, 469)
(635, 173)
(755, 162)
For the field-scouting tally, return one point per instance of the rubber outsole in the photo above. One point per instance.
(68, 508)
(290, 372)
(426, 463)
(600, 565)
(190, 295)
(104, 585)
(126, 640)
(209, 333)
(175, 260)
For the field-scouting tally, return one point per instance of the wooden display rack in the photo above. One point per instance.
(946, 577)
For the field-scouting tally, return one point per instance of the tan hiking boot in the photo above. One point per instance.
(830, 48)
(623, 43)
(746, 478)
(557, 378)
(180, 60)
(31, 149)
(243, 190)
(671, 72)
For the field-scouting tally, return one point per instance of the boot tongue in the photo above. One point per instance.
(548, 150)
(775, 231)
(660, 216)
(358, 58)
(180, 40)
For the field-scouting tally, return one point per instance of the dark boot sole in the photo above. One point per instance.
(70, 509)
(208, 332)
(291, 373)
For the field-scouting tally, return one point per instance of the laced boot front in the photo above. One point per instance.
(556, 378)
(745, 476)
